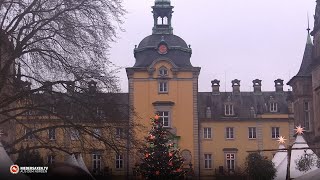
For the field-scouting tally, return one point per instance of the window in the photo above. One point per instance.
(119, 132)
(229, 133)
(50, 159)
(52, 134)
(96, 132)
(273, 107)
(96, 163)
(53, 109)
(29, 136)
(164, 117)
(230, 160)
(163, 71)
(165, 20)
(99, 112)
(74, 134)
(207, 133)
(275, 132)
(207, 161)
(306, 122)
(119, 161)
(29, 112)
(163, 86)
(228, 110)
(159, 21)
(208, 112)
(252, 133)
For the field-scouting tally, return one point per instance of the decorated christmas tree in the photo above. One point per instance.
(161, 159)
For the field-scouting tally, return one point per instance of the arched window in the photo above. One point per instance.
(165, 20)
(159, 20)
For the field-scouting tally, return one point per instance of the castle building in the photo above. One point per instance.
(214, 130)
(306, 85)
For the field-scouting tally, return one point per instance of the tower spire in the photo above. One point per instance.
(308, 29)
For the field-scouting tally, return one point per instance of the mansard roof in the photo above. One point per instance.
(244, 103)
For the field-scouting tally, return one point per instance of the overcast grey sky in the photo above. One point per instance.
(245, 39)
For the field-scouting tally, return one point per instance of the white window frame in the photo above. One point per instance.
(307, 115)
(163, 71)
(207, 133)
(52, 134)
(230, 161)
(119, 161)
(252, 132)
(208, 161)
(165, 118)
(273, 107)
(229, 110)
(208, 112)
(229, 132)
(119, 132)
(96, 162)
(50, 159)
(99, 112)
(31, 136)
(53, 110)
(96, 132)
(74, 134)
(163, 86)
(275, 132)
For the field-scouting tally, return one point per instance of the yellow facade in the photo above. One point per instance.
(180, 93)
(218, 145)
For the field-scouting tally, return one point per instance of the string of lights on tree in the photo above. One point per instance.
(161, 158)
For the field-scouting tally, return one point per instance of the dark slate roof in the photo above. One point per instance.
(243, 102)
(316, 26)
(82, 106)
(147, 52)
(306, 64)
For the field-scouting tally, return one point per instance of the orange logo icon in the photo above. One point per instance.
(14, 169)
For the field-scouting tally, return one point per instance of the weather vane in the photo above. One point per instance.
(281, 140)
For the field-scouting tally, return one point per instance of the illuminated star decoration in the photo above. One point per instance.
(299, 130)
(281, 140)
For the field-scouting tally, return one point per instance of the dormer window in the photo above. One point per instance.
(163, 71)
(228, 110)
(208, 112)
(273, 107)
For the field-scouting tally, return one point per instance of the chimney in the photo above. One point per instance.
(47, 86)
(215, 84)
(92, 85)
(256, 86)
(235, 86)
(279, 85)
(70, 87)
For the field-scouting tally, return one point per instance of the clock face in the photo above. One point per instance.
(163, 49)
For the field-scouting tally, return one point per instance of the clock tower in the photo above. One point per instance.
(164, 81)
